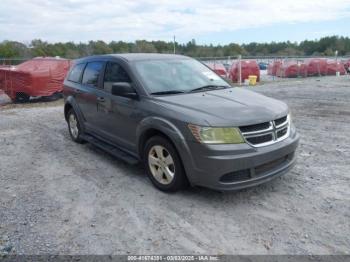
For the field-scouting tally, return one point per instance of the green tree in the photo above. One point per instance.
(142, 46)
(120, 47)
(39, 48)
(324, 46)
(99, 48)
(11, 49)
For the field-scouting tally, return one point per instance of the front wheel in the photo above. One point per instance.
(163, 165)
(74, 127)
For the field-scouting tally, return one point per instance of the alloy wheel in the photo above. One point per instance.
(73, 126)
(161, 164)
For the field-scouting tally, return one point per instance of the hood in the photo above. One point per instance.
(226, 107)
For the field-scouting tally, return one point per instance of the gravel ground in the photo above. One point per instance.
(59, 197)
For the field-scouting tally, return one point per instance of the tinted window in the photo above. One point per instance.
(75, 74)
(114, 73)
(92, 73)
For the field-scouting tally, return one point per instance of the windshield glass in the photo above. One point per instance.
(182, 75)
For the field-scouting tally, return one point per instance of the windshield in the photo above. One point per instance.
(176, 76)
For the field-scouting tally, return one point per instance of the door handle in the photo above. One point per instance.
(100, 99)
(78, 91)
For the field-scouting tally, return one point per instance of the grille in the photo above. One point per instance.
(280, 121)
(236, 176)
(282, 132)
(256, 127)
(258, 171)
(270, 165)
(260, 139)
(266, 133)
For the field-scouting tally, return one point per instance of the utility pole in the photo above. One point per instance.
(174, 45)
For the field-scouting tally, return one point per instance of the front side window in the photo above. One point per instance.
(114, 74)
(92, 73)
(76, 72)
(176, 75)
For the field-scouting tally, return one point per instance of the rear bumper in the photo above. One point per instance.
(232, 167)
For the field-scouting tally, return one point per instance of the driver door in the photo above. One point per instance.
(116, 114)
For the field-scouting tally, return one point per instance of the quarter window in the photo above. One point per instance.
(92, 73)
(75, 74)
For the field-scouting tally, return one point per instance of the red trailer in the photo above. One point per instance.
(334, 66)
(316, 66)
(273, 67)
(291, 69)
(34, 78)
(218, 69)
(248, 67)
(347, 65)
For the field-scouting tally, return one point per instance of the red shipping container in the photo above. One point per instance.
(248, 67)
(37, 77)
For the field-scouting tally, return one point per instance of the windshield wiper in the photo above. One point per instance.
(169, 92)
(208, 87)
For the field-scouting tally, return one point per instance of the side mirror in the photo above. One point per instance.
(123, 89)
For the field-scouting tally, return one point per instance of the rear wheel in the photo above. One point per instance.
(163, 165)
(74, 127)
(22, 98)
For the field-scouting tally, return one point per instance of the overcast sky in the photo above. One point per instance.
(206, 21)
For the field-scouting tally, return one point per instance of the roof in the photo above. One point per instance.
(135, 57)
(49, 58)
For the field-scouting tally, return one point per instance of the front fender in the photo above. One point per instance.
(176, 136)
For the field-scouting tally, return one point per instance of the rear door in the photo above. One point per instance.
(91, 83)
(72, 85)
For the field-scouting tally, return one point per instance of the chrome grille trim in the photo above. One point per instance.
(272, 130)
(267, 130)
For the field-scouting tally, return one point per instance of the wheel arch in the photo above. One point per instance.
(149, 133)
(67, 107)
(70, 103)
(158, 126)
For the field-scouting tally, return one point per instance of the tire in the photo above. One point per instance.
(22, 98)
(74, 127)
(166, 173)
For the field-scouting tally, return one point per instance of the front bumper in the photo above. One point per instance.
(232, 167)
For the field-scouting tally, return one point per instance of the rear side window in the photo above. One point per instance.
(92, 73)
(75, 74)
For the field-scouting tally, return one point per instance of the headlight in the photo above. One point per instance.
(216, 135)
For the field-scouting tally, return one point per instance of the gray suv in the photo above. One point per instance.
(186, 125)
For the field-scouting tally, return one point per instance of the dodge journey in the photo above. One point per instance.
(187, 125)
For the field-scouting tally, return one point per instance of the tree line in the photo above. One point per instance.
(325, 46)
